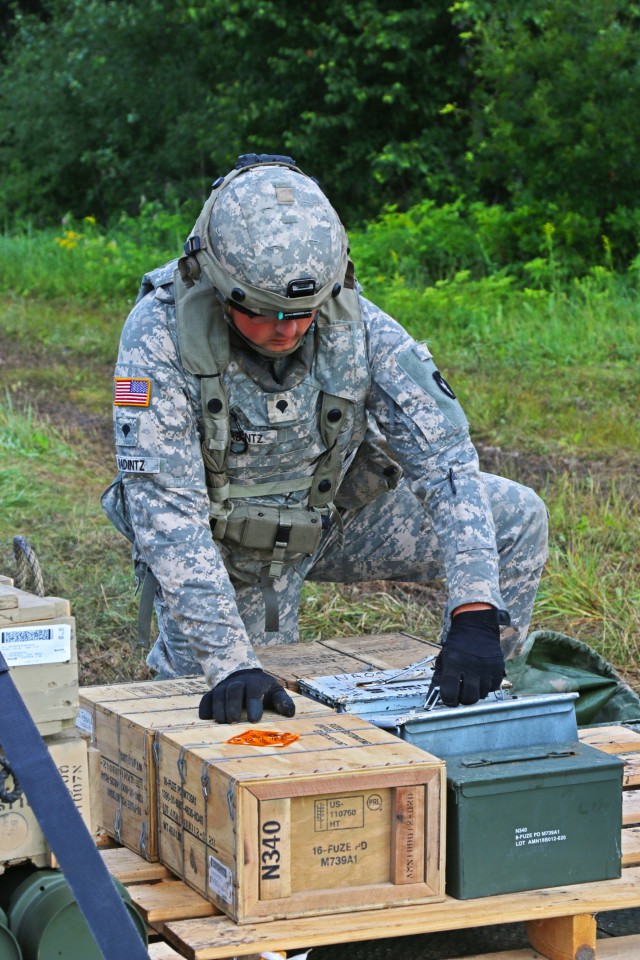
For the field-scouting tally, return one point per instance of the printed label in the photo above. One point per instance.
(530, 838)
(28, 646)
(339, 854)
(220, 879)
(84, 721)
(338, 813)
(255, 437)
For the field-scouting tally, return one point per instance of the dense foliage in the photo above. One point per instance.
(157, 97)
(529, 104)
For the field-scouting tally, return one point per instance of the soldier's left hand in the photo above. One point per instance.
(253, 689)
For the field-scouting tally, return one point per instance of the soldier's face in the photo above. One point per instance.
(271, 334)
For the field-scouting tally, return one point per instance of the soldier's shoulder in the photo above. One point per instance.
(152, 316)
(383, 331)
(160, 282)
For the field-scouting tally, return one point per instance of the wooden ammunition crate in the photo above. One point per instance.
(41, 632)
(347, 817)
(20, 836)
(122, 720)
(291, 661)
(140, 697)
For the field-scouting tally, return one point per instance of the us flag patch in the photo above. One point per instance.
(132, 392)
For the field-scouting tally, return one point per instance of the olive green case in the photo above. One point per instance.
(543, 816)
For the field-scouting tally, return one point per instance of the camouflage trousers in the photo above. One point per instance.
(392, 539)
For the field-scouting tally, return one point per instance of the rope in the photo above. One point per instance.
(8, 796)
(27, 564)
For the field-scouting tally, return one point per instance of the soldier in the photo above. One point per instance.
(274, 426)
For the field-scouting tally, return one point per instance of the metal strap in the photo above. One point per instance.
(270, 597)
(145, 608)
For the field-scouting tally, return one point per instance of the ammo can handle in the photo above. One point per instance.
(510, 757)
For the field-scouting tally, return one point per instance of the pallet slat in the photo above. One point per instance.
(630, 807)
(217, 938)
(611, 948)
(129, 868)
(170, 900)
(630, 846)
(563, 938)
(631, 777)
(611, 739)
(162, 951)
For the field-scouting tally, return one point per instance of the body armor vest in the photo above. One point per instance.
(274, 454)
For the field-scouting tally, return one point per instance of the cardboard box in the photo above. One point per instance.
(20, 836)
(529, 819)
(347, 817)
(122, 720)
(38, 641)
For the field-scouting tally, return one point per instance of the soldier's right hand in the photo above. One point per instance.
(471, 663)
(253, 689)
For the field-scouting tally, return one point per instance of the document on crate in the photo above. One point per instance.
(32, 645)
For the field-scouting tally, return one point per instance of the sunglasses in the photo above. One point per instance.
(280, 315)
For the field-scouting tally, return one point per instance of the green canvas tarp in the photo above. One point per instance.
(555, 663)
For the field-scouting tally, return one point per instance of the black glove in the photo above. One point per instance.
(471, 663)
(251, 688)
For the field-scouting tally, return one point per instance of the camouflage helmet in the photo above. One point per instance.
(268, 238)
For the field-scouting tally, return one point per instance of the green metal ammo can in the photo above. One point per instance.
(47, 923)
(9, 949)
(539, 817)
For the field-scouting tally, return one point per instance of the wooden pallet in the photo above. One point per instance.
(560, 921)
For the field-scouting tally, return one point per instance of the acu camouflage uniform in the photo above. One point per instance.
(407, 500)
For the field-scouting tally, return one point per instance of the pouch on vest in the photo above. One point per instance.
(372, 473)
(259, 527)
(114, 505)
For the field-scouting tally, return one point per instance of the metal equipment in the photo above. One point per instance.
(400, 701)
(46, 922)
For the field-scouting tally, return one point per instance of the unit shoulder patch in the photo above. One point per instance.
(418, 364)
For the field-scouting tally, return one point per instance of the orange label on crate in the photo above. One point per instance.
(265, 738)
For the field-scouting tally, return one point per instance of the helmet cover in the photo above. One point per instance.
(269, 239)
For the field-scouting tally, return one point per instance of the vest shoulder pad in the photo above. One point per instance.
(159, 280)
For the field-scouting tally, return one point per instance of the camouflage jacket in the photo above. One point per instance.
(397, 395)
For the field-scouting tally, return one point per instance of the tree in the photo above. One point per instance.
(109, 100)
(354, 91)
(555, 101)
(92, 104)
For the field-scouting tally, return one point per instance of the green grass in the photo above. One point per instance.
(592, 580)
(53, 328)
(82, 261)
(49, 494)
